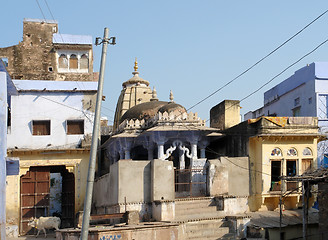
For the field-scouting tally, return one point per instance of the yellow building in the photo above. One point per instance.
(28, 194)
(276, 146)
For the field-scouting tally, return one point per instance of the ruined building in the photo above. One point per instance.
(46, 54)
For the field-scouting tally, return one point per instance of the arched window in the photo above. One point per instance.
(84, 62)
(73, 62)
(292, 152)
(62, 61)
(307, 152)
(276, 152)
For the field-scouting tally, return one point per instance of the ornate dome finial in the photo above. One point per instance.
(171, 96)
(136, 65)
(154, 95)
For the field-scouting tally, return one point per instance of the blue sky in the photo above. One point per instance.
(190, 47)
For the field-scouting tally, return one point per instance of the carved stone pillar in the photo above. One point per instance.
(127, 154)
(202, 145)
(182, 161)
(149, 145)
(160, 150)
(160, 139)
(125, 145)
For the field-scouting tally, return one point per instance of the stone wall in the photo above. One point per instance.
(35, 57)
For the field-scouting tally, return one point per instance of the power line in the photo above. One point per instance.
(291, 65)
(259, 61)
(41, 10)
(280, 73)
(49, 10)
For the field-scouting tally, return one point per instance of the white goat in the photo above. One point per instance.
(44, 223)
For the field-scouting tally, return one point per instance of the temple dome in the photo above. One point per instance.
(135, 80)
(148, 110)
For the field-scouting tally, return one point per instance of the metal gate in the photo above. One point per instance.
(35, 191)
(190, 183)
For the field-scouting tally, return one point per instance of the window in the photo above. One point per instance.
(84, 62)
(291, 168)
(275, 174)
(291, 172)
(307, 152)
(75, 127)
(276, 152)
(63, 63)
(297, 112)
(323, 106)
(292, 152)
(73, 63)
(41, 127)
(296, 101)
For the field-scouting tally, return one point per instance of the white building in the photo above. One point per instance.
(51, 114)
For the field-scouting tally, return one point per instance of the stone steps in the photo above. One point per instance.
(206, 229)
(201, 219)
(193, 209)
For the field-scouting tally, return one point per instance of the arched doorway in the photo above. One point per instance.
(36, 193)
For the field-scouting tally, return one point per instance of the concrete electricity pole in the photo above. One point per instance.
(95, 135)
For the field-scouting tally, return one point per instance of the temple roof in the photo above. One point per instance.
(148, 110)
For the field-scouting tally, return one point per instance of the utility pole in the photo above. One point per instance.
(95, 135)
(304, 210)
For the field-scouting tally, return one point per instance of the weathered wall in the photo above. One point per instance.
(133, 181)
(35, 57)
(296, 232)
(12, 200)
(162, 180)
(225, 115)
(133, 185)
(238, 175)
(155, 232)
(76, 163)
(54, 106)
(217, 178)
(128, 181)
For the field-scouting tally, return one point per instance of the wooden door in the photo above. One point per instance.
(306, 165)
(68, 199)
(35, 192)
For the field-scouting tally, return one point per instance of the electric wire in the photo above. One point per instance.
(259, 61)
(44, 17)
(280, 73)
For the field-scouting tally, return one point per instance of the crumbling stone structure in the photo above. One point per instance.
(45, 54)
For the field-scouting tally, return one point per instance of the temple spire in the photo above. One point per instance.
(136, 65)
(154, 95)
(171, 96)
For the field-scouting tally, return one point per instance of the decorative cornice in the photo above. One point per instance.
(162, 119)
